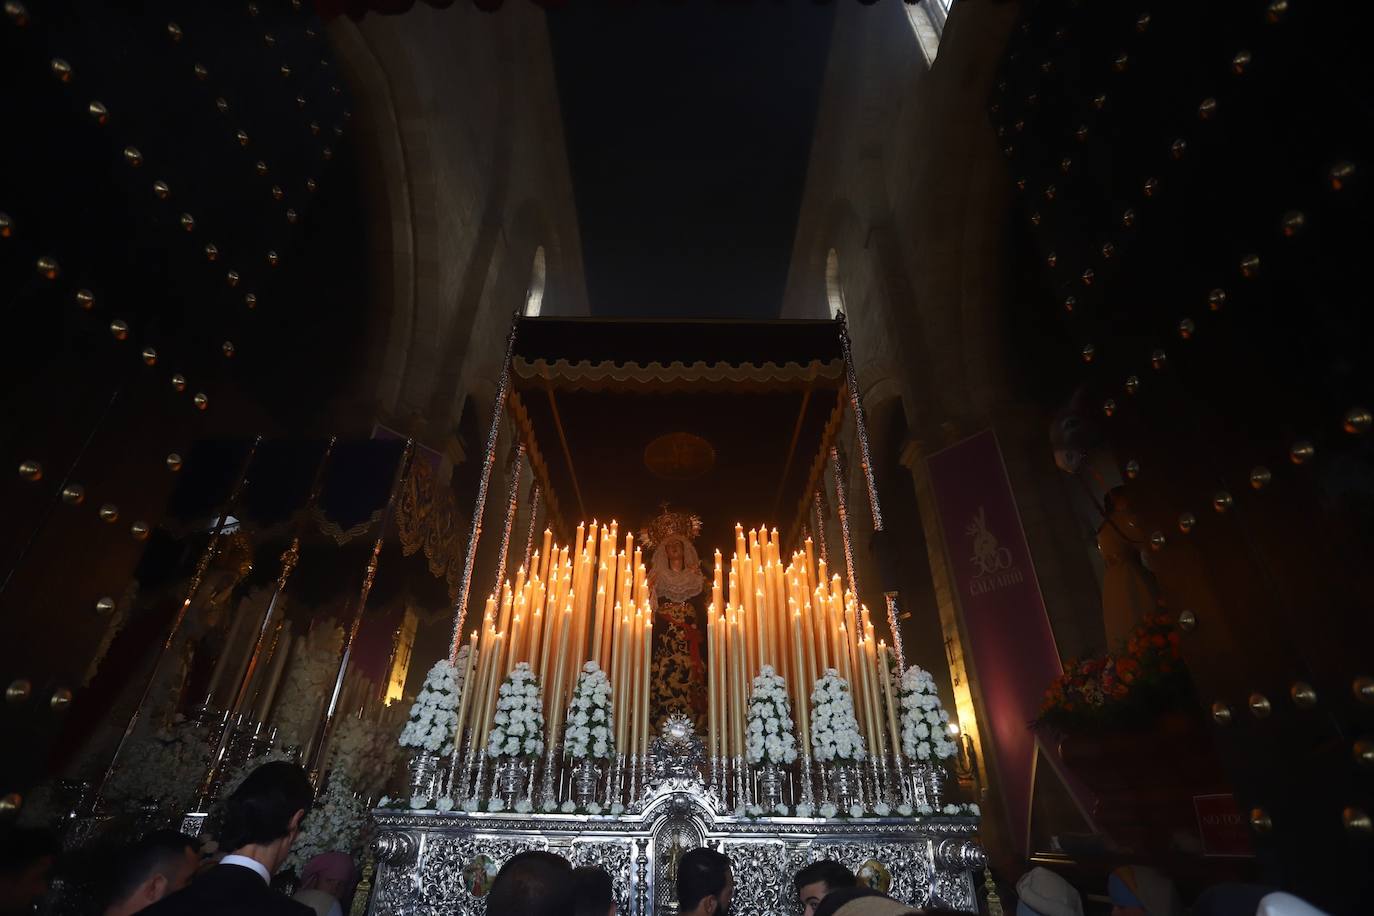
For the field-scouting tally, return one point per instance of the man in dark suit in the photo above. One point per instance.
(261, 820)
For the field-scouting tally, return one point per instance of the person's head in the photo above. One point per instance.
(27, 857)
(861, 900)
(1136, 890)
(1041, 892)
(161, 863)
(592, 892)
(331, 872)
(819, 878)
(533, 883)
(673, 547)
(263, 816)
(705, 885)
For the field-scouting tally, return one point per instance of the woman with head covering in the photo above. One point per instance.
(1041, 892)
(1136, 890)
(327, 883)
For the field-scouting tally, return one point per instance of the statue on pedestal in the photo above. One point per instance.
(677, 589)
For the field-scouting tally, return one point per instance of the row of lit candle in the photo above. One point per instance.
(800, 621)
(587, 603)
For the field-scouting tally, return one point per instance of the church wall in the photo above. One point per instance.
(467, 153)
(906, 185)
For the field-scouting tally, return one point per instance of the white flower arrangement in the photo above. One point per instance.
(590, 727)
(925, 736)
(167, 765)
(334, 824)
(496, 803)
(548, 806)
(834, 729)
(804, 810)
(593, 807)
(882, 809)
(754, 811)
(780, 809)
(770, 736)
(306, 688)
(568, 807)
(524, 806)
(518, 726)
(828, 810)
(905, 810)
(856, 810)
(617, 808)
(434, 717)
(367, 750)
(444, 804)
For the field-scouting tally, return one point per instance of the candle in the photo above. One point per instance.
(890, 695)
(711, 682)
(619, 707)
(503, 626)
(552, 689)
(633, 669)
(279, 655)
(799, 690)
(870, 661)
(489, 694)
(645, 680)
(465, 697)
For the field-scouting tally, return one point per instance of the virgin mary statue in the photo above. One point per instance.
(677, 589)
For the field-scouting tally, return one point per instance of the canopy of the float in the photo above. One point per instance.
(728, 419)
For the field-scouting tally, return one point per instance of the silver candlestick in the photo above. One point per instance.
(546, 786)
(807, 798)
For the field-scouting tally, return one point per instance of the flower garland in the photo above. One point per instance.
(518, 726)
(309, 681)
(924, 721)
(434, 716)
(165, 765)
(231, 785)
(834, 729)
(770, 734)
(367, 750)
(335, 824)
(1145, 678)
(590, 732)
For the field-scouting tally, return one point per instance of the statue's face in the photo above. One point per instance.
(674, 549)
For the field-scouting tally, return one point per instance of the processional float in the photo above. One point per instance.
(806, 746)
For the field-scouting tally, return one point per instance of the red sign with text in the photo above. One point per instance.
(1014, 654)
(1224, 829)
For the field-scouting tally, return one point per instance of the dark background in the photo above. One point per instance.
(688, 129)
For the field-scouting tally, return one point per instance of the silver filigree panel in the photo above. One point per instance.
(616, 857)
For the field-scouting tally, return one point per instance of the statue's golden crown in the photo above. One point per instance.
(669, 523)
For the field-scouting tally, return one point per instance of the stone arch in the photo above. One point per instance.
(834, 290)
(389, 155)
(534, 293)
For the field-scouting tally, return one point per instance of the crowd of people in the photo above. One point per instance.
(165, 873)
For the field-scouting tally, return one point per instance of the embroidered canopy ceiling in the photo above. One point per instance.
(728, 418)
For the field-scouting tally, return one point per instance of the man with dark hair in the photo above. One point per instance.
(819, 878)
(161, 863)
(593, 894)
(533, 883)
(27, 857)
(705, 884)
(261, 820)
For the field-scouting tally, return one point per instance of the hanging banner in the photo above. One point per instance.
(1013, 649)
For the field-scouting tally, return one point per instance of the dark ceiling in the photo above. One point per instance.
(688, 129)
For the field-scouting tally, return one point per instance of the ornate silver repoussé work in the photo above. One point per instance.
(442, 863)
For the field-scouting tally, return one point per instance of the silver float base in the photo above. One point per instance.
(431, 862)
